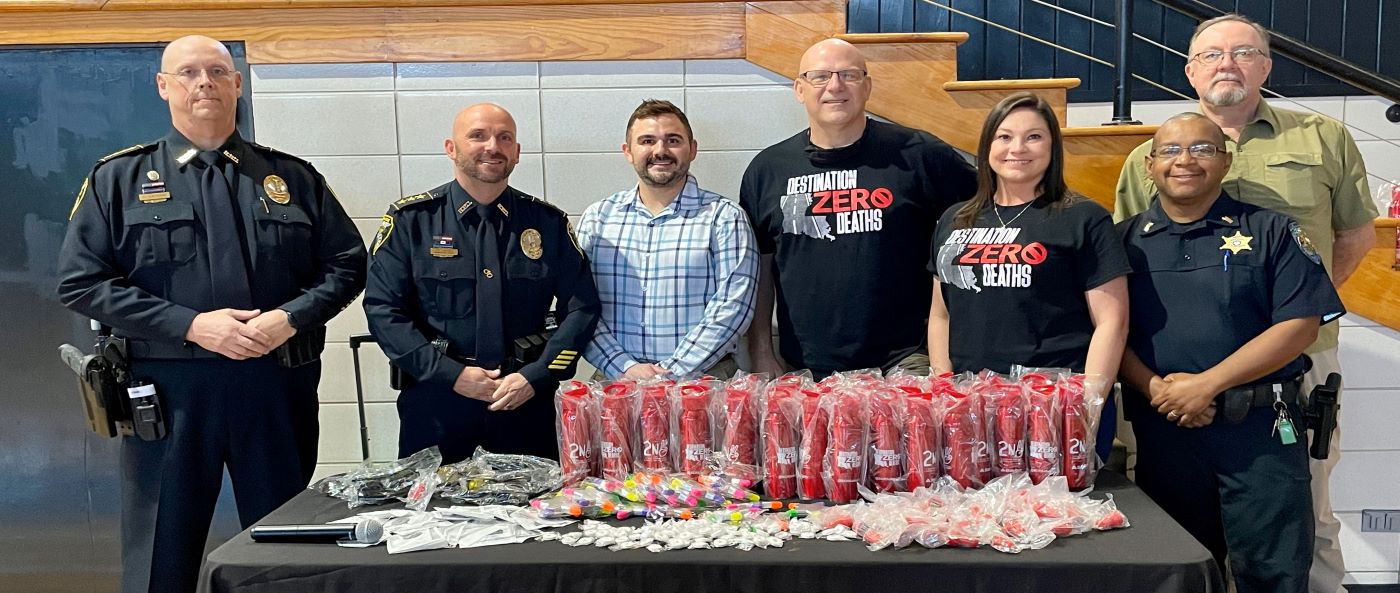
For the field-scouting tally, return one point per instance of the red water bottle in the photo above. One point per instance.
(739, 427)
(781, 419)
(573, 425)
(615, 415)
(921, 436)
(887, 450)
(1076, 446)
(694, 428)
(809, 455)
(1043, 420)
(846, 442)
(1394, 212)
(1008, 428)
(655, 421)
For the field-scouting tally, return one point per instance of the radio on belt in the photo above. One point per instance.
(146, 417)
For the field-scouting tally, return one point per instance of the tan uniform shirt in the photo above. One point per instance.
(1305, 165)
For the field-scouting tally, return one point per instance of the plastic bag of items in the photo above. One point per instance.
(498, 478)
(411, 479)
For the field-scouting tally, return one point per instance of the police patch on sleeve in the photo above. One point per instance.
(386, 226)
(1304, 243)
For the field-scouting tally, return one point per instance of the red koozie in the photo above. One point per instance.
(964, 446)
(887, 450)
(921, 436)
(780, 440)
(846, 446)
(1009, 429)
(739, 427)
(1077, 450)
(809, 455)
(695, 444)
(615, 447)
(1042, 426)
(655, 420)
(576, 445)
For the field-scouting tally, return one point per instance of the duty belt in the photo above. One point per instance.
(1236, 402)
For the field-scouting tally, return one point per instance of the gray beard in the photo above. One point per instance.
(1225, 97)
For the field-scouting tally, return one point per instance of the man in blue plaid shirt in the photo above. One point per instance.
(676, 266)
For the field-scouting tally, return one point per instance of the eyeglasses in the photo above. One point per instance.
(1243, 55)
(822, 77)
(1198, 151)
(192, 75)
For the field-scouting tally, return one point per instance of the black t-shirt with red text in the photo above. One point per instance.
(1015, 295)
(849, 230)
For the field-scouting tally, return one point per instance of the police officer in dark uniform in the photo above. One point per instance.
(461, 280)
(221, 261)
(1225, 296)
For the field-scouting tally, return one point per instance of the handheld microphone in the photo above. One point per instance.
(367, 531)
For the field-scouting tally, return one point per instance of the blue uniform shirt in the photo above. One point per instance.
(1199, 291)
(422, 276)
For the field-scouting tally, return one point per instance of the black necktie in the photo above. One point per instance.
(490, 328)
(227, 273)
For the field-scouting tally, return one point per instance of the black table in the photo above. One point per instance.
(1154, 555)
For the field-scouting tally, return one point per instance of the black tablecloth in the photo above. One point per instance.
(1154, 555)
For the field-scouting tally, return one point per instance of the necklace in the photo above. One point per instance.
(996, 210)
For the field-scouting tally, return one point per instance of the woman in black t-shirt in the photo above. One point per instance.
(1027, 272)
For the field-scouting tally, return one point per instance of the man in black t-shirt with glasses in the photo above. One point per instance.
(844, 214)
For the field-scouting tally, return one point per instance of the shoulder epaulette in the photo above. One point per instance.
(545, 203)
(123, 151)
(417, 199)
(279, 153)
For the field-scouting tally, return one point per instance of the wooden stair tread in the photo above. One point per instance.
(1011, 84)
(1109, 131)
(866, 38)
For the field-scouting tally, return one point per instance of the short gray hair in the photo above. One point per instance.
(1232, 17)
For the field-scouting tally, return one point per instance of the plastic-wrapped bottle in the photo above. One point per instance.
(922, 433)
(618, 425)
(782, 414)
(1077, 444)
(1006, 412)
(887, 409)
(575, 432)
(740, 429)
(848, 435)
(809, 455)
(654, 419)
(965, 457)
(695, 426)
(1043, 419)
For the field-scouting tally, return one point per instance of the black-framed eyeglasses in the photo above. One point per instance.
(822, 77)
(1243, 55)
(1198, 151)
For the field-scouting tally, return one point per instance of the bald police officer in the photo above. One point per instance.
(1225, 296)
(221, 261)
(461, 280)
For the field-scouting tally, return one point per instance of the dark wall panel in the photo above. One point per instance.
(1353, 29)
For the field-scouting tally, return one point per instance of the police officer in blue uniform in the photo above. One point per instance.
(461, 281)
(220, 261)
(1224, 298)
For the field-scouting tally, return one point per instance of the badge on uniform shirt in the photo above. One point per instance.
(531, 244)
(1237, 242)
(153, 175)
(1304, 242)
(443, 246)
(276, 189)
(386, 226)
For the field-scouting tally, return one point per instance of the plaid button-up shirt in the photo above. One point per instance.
(677, 288)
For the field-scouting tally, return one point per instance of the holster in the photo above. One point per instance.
(102, 377)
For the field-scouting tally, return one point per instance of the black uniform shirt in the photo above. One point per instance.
(1201, 290)
(135, 256)
(423, 270)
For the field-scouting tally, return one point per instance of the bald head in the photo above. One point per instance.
(484, 148)
(829, 50)
(180, 48)
(1192, 124)
(835, 105)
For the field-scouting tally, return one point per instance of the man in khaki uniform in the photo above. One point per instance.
(1302, 164)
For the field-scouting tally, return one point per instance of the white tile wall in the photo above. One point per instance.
(298, 78)
(739, 118)
(425, 117)
(594, 120)
(320, 124)
(576, 180)
(467, 75)
(642, 74)
(364, 184)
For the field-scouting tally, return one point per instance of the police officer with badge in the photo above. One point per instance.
(461, 281)
(1225, 296)
(218, 261)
